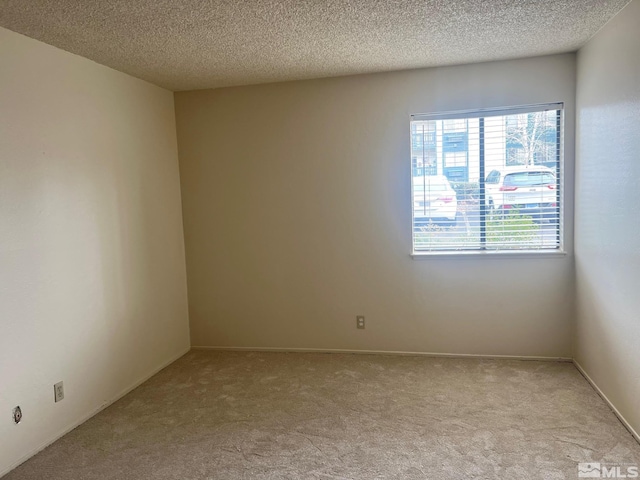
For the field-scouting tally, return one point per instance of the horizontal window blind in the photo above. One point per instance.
(487, 180)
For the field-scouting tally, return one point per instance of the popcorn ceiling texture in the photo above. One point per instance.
(196, 44)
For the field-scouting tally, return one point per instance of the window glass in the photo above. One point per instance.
(487, 181)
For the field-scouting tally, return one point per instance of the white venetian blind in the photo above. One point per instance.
(487, 180)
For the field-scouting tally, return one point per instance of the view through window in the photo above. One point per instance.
(487, 180)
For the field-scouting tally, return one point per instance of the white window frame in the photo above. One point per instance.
(559, 250)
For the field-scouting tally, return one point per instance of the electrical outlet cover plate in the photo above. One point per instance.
(17, 415)
(360, 321)
(58, 391)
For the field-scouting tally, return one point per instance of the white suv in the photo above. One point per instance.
(433, 199)
(529, 189)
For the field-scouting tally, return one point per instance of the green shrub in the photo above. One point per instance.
(511, 227)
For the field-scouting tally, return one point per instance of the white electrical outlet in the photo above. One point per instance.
(58, 391)
(360, 321)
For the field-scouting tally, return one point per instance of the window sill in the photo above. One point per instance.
(489, 254)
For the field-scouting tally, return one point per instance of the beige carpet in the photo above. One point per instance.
(229, 415)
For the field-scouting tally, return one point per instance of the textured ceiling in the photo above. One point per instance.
(194, 44)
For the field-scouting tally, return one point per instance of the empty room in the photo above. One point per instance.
(305, 239)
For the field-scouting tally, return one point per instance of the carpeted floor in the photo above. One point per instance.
(232, 415)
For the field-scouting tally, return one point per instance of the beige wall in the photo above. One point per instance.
(607, 204)
(297, 218)
(92, 273)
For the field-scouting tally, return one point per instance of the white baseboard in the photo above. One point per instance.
(79, 422)
(383, 352)
(623, 420)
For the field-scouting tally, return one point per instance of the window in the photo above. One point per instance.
(455, 159)
(423, 148)
(493, 177)
(493, 182)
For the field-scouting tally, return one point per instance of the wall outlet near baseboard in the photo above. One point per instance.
(58, 392)
(360, 321)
